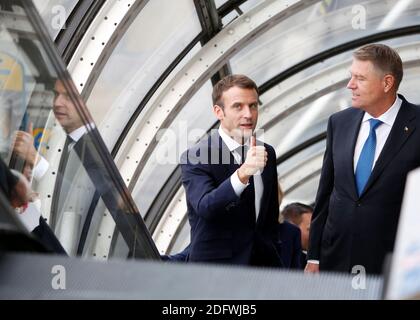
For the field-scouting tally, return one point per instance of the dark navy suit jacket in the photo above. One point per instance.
(348, 229)
(47, 237)
(223, 226)
(288, 246)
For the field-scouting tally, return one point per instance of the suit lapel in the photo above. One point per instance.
(353, 127)
(400, 132)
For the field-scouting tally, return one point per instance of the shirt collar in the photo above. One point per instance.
(230, 143)
(389, 116)
(79, 132)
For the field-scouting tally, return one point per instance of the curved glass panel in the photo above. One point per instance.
(50, 138)
(322, 68)
(190, 125)
(249, 5)
(219, 3)
(183, 238)
(301, 122)
(304, 123)
(144, 52)
(243, 8)
(296, 167)
(304, 193)
(55, 13)
(319, 28)
(300, 158)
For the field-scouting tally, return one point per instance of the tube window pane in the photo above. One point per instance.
(318, 28)
(190, 124)
(154, 39)
(55, 13)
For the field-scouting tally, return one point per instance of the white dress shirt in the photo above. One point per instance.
(78, 133)
(42, 166)
(237, 185)
(382, 133)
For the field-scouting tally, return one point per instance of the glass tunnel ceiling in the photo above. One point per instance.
(55, 13)
(135, 93)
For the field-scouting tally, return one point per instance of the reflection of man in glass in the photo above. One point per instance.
(65, 111)
(80, 167)
(24, 149)
(82, 177)
(14, 186)
(68, 117)
(36, 166)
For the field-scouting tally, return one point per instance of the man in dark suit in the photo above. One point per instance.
(289, 245)
(178, 257)
(232, 199)
(370, 149)
(73, 184)
(300, 215)
(35, 166)
(84, 176)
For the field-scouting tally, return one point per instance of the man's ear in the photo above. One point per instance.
(218, 111)
(389, 82)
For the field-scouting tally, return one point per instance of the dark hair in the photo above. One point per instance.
(230, 81)
(383, 58)
(293, 212)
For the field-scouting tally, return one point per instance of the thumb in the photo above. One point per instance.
(31, 129)
(253, 141)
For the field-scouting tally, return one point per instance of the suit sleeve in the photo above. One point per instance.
(326, 184)
(207, 199)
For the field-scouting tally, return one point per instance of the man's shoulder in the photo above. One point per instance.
(344, 115)
(289, 232)
(406, 104)
(195, 151)
(290, 228)
(408, 112)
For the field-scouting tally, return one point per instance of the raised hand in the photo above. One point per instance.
(23, 146)
(256, 160)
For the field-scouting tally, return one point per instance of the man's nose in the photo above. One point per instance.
(247, 113)
(351, 84)
(58, 101)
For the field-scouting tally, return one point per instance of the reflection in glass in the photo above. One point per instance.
(50, 137)
(54, 13)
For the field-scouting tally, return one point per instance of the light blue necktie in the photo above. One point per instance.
(365, 163)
